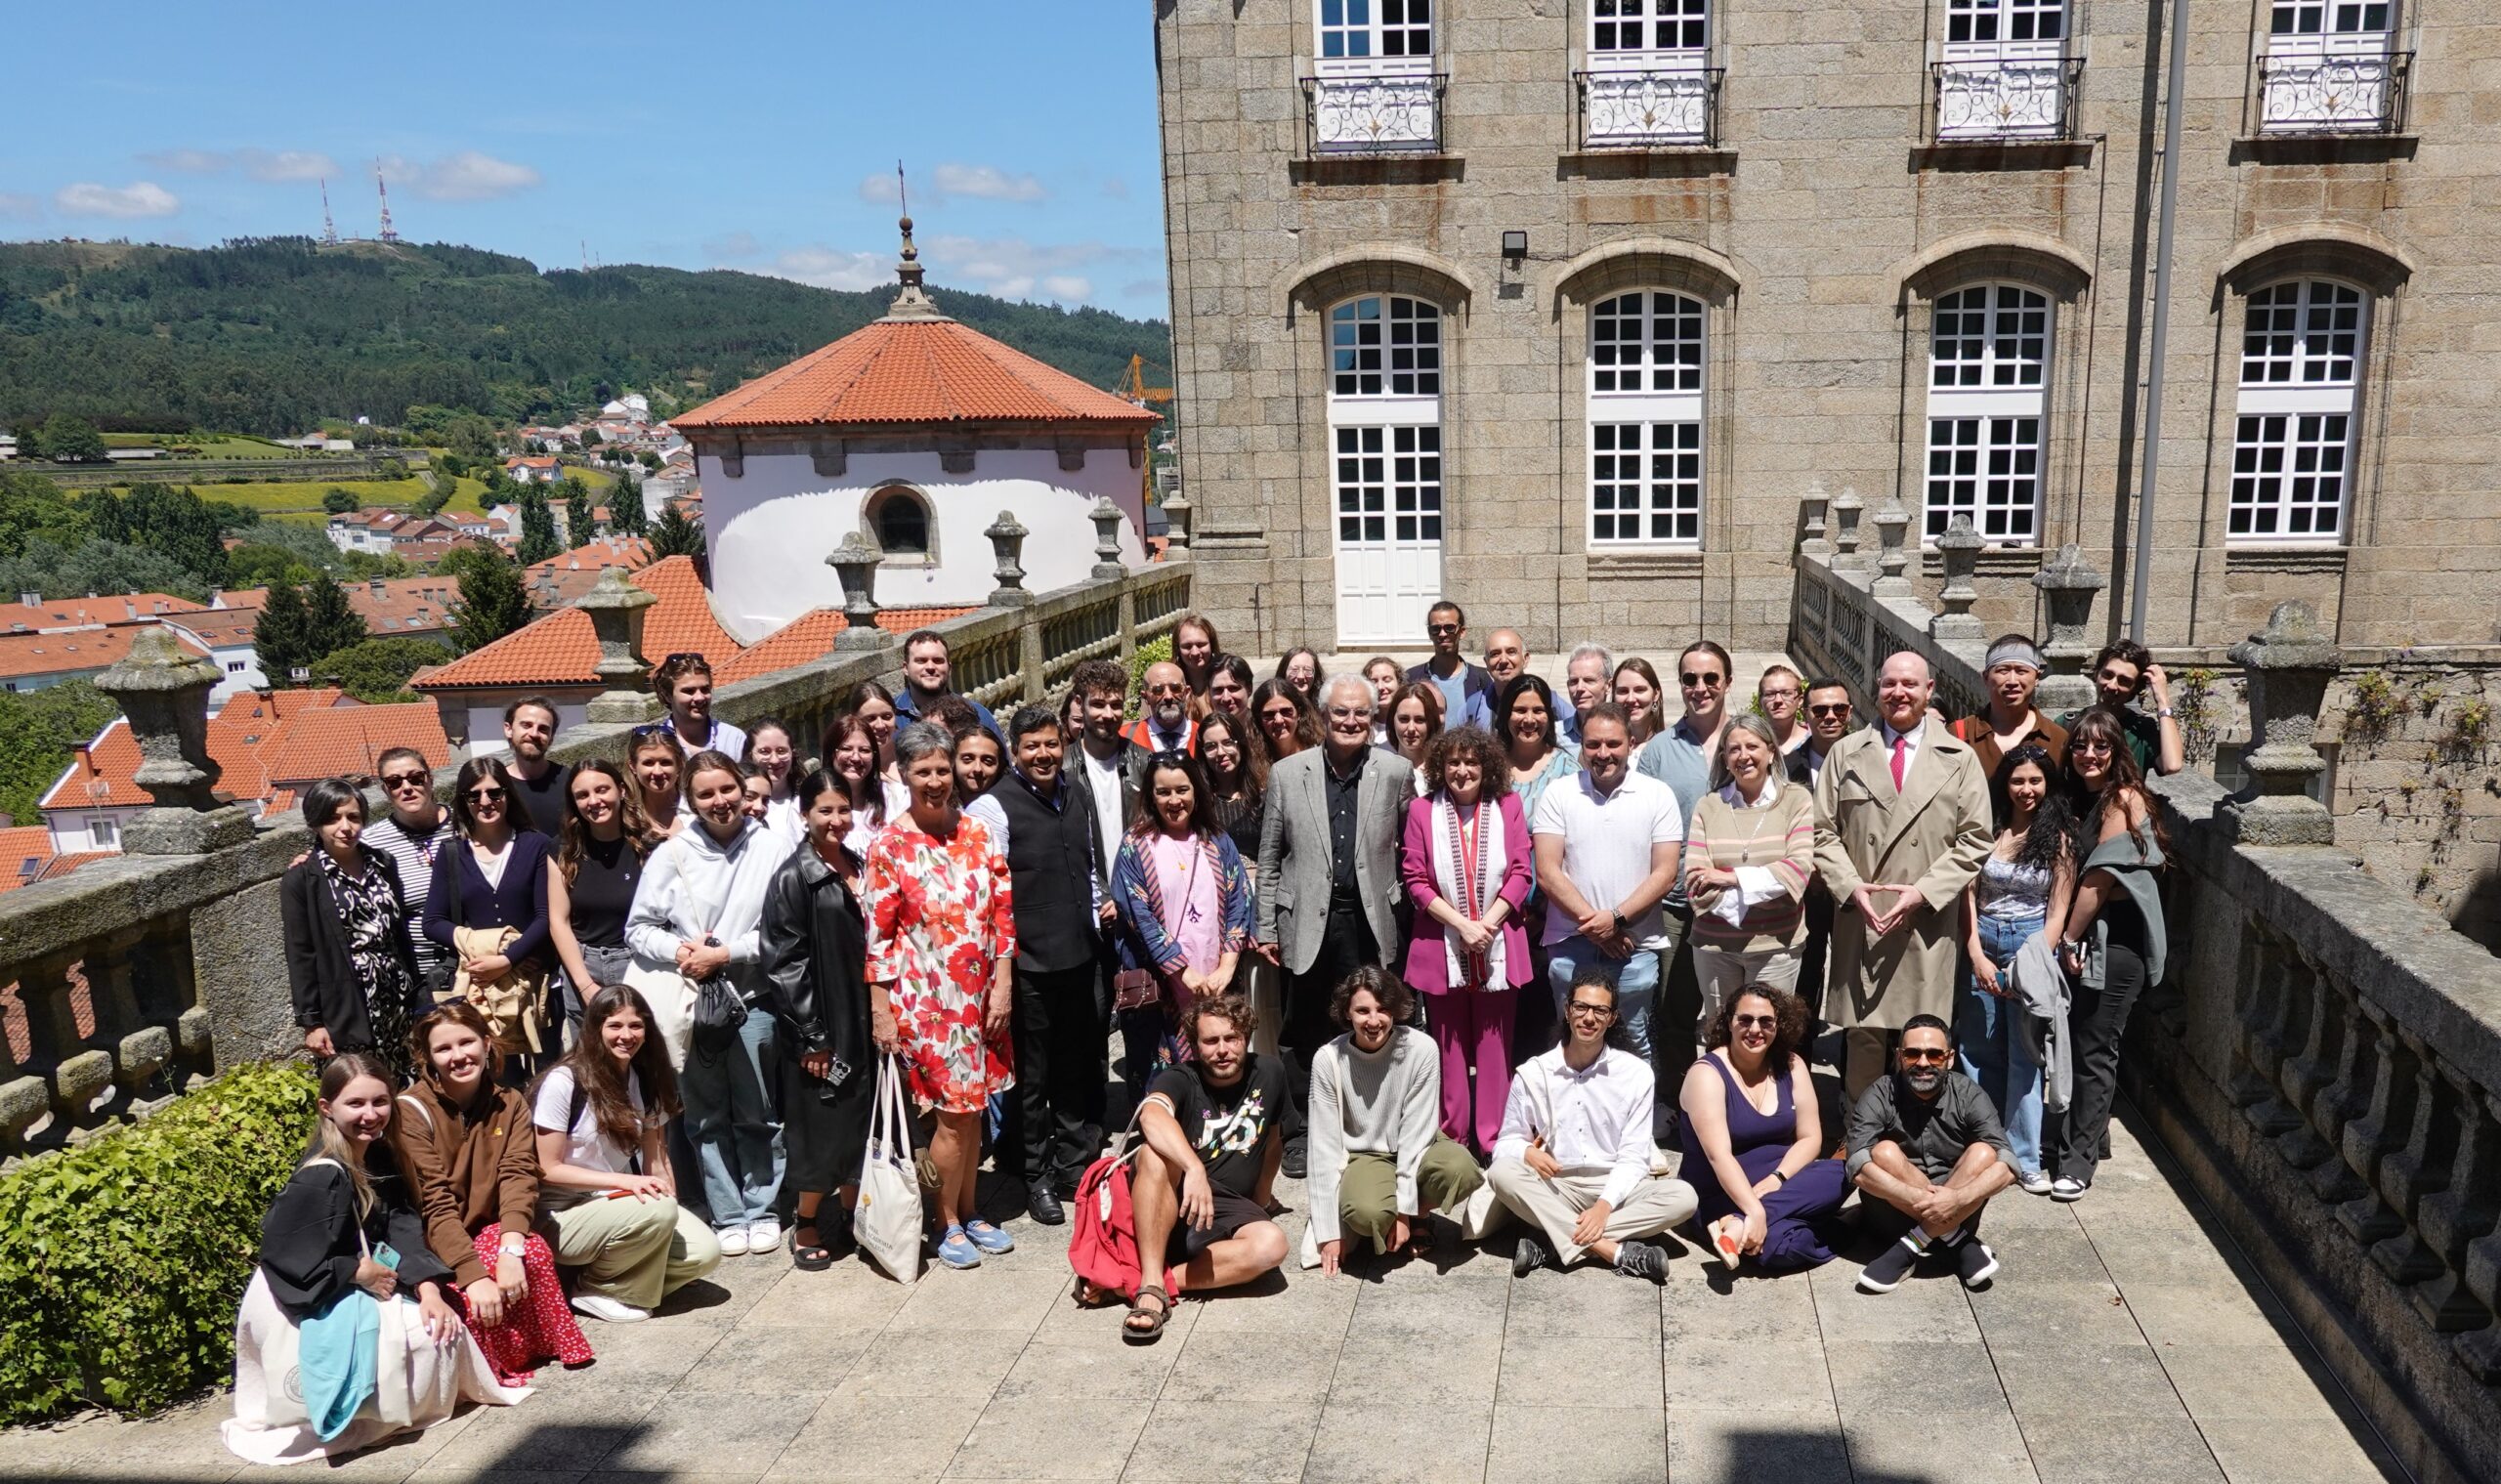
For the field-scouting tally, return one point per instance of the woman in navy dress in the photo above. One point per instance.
(1752, 1138)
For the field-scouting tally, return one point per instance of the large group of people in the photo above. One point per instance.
(1451, 945)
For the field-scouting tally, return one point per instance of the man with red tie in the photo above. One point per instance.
(1901, 827)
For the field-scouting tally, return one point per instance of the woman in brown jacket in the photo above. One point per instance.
(471, 1157)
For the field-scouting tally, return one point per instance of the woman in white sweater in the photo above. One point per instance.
(699, 909)
(1380, 1164)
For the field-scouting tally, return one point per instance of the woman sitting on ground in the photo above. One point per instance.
(347, 1336)
(467, 1146)
(605, 1187)
(1752, 1138)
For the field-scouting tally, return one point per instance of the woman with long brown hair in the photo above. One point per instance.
(875, 705)
(851, 755)
(1753, 1136)
(599, 862)
(657, 759)
(1289, 723)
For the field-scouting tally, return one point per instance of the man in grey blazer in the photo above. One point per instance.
(1329, 888)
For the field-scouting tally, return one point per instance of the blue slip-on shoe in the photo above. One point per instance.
(988, 1237)
(958, 1249)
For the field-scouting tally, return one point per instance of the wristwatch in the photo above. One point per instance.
(1619, 920)
(2165, 714)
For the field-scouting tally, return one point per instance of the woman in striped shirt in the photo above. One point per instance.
(1749, 851)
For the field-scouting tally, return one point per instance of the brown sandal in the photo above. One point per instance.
(1157, 1317)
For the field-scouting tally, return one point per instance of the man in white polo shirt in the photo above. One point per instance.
(1607, 843)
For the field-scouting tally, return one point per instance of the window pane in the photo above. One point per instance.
(2288, 474)
(1995, 335)
(1647, 343)
(1986, 468)
(1645, 481)
(2307, 333)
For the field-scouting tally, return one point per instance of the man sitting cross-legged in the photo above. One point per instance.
(1926, 1152)
(1574, 1157)
(1379, 1163)
(1214, 1130)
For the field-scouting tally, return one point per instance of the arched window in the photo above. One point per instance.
(899, 518)
(1987, 403)
(1645, 370)
(1385, 468)
(2300, 357)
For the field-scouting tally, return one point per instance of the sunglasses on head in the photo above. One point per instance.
(695, 655)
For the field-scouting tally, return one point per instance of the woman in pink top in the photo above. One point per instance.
(1184, 898)
(1466, 867)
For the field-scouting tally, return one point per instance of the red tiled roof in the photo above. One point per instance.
(70, 652)
(348, 740)
(62, 866)
(391, 607)
(261, 740)
(78, 612)
(561, 649)
(22, 846)
(914, 371)
(563, 577)
(810, 637)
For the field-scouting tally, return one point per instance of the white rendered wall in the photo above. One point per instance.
(770, 531)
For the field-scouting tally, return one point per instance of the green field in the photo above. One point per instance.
(210, 444)
(273, 496)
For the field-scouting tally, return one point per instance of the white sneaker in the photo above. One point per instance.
(613, 1310)
(2037, 1183)
(734, 1241)
(764, 1236)
(2067, 1188)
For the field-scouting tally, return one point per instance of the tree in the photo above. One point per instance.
(174, 522)
(676, 535)
(449, 465)
(473, 438)
(577, 517)
(330, 623)
(281, 639)
(437, 494)
(537, 526)
(376, 671)
(338, 501)
(491, 602)
(33, 506)
(37, 731)
(95, 566)
(259, 564)
(625, 514)
(231, 517)
(649, 459)
(391, 469)
(68, 440)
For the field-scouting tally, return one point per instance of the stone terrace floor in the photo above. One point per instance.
(2119, 1344)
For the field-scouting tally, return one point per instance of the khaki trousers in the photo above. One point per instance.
(634, 1252)
(1720, 973)
(1554, 1206)
(1368, 1189)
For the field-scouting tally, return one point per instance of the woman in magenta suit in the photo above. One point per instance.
(1466, 867)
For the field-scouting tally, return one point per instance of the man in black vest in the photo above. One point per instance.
(1046, 827)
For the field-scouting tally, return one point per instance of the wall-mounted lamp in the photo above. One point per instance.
(1515, 245)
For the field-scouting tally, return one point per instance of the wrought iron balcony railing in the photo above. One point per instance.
(1665, 107)
(2005, 99)
(2360, 94)
(1390, 112)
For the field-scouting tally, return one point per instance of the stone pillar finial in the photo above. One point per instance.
(1107, 518)
(1893, 524)
(1960, 546)
(2067, 583)
(2287, 666)
(163, 687)
(1847, 507)
(856, 561)
(618, 609)
(1008, 541)
(1815, 501)
(1176, 527)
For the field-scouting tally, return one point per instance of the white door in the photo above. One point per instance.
(2004, 72)
(1385, 466)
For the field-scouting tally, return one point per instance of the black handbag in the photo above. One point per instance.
(439, 978)
(719, 1011)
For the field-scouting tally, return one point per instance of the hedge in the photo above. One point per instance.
(122, 1261)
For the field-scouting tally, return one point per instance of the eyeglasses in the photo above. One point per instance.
(1832, 708)
(1779, 695)
(1925, 1055)
(487, 795)
(394, 782)
(1750, 1021)
(2089, 745)
(1692, 679)
(1437, 630)
(1597, 1010)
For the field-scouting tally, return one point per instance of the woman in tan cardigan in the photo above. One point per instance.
(472, 1158)
(1749, 850)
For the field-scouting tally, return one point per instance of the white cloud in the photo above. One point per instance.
(259, 164)
(188, 161)
(1116, 189)
(1008, 268)
(984, 183)
(734, 245)
(1073, 288)
(468, 176)
(825, 267)
(19, 208)
(139, 198)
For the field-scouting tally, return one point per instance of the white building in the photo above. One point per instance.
(916, 432)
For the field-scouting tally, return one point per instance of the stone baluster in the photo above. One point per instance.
(2067, 583)
(2310, 1066)
(1816, 503)
(25, 1098)
(1107, 518)
(75, 1071)
(140, 1046)
(2449, 1222)
(1007, 544)
(2479, 1348)
(163, 687)
(2287, 666)
(1960, 547)
(2380, 1129)
(1176, 527)
(618, 609)
(2343, 1099)
(1847, 507)
(856, 561)
(2272, 1021)
(1892, 558)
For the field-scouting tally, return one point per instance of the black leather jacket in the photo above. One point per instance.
(816, 948)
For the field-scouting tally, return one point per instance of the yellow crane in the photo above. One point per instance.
(1133, 387)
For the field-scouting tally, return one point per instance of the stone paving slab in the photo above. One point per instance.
(2119, 1344)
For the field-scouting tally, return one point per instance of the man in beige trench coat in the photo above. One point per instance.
(1901, 827)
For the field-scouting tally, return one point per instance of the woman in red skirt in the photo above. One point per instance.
(470, 1152)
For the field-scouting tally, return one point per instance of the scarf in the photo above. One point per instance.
(1468, 870)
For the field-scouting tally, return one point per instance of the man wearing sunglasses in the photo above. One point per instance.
(412, 833)
(1926, 1152)
(1829, 719)
(1468, 690)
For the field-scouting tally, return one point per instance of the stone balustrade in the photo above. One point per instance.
(135, 976)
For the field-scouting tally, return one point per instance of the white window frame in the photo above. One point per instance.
(2329, 66)
(1988, 413)
(1649, 72)
(1366, 96)
(1657, 423)
(1387, 460)
(2001, 69)
(2302, 351)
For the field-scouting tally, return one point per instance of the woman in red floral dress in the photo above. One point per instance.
(941, 955)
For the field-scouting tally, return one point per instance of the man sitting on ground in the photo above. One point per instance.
(1926, 1152)
(1381, 1165)
(1214, 1131)
(1574, 1155)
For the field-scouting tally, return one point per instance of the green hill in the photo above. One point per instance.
(271, 335)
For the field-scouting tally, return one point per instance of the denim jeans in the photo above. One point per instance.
(731, 1122)
(1995, 1051)
(1637, 988)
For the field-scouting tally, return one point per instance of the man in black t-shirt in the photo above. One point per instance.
(530, 730)
(1214, 1132)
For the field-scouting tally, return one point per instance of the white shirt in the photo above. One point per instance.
(1606, 845)
(1755, 884)
(1103, 781)
(1591, 1120)
(585, 1144)
(491, 864)
(1910, 746)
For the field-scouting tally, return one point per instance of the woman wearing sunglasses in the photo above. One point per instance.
(487, 906)
(1752, 1138)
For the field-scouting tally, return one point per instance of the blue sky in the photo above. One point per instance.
(757, 136)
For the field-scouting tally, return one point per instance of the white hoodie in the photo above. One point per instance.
(694, 884)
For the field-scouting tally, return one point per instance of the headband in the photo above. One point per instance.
(2014, 652)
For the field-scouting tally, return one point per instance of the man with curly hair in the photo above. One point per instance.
(1380, 1164)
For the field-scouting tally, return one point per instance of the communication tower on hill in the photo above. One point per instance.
(390, 233)
(329, 229)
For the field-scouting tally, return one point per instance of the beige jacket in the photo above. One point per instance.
(1933, 833)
